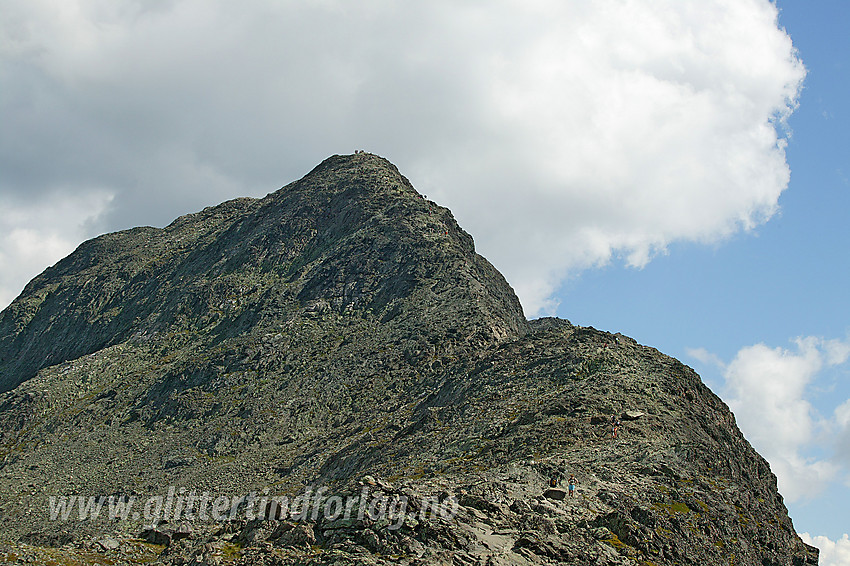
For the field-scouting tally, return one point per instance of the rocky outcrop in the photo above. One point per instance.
(351, 236)
(341, 341)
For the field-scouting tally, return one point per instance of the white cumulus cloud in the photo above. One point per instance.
(562, 133)
(35, 235)
(768, 390)
(842, 434)
(832, 552)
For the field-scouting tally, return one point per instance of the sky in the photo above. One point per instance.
(673, 170)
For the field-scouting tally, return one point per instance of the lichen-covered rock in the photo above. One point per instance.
(340, 341)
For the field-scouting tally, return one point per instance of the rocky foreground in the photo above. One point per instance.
(332, 375)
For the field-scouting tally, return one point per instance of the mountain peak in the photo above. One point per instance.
(353, 235)
(341, 336)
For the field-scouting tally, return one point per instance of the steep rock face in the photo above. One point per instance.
(342, 333)
(352, 234)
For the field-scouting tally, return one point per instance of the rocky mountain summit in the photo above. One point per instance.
(332, 375)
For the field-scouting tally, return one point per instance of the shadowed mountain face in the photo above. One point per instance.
(352, 236)
(342, 333)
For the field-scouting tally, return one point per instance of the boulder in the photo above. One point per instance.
(300, 535)
(108, 543)
(156, 536)
(182, 532)
(632, 415)
(555, 493)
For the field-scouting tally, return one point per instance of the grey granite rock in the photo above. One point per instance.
(341, 342)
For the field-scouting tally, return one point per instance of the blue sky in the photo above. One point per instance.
(787, 278)
(626, 164)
